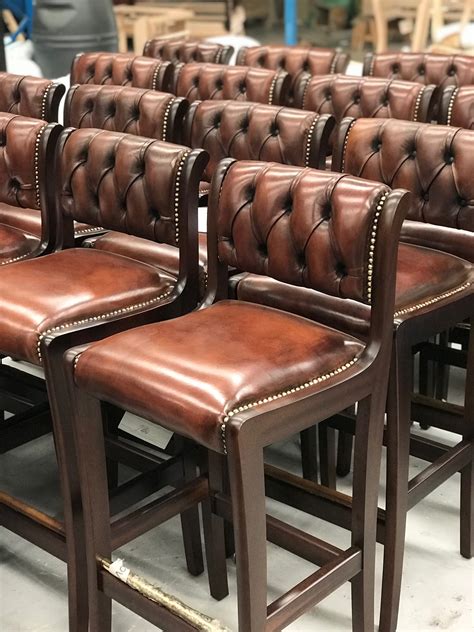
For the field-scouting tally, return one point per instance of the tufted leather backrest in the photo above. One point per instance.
(457, 107)
(121, 69)
(434, 162)
(370, 97)
(20, 147)
(237, 83)
(183, 51)
(426, 68)
(132, 110)
(122, 182)
(30, 96)
(301, 226)
(254, 131)
(301, 62)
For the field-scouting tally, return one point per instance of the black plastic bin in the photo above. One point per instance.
(63, 28)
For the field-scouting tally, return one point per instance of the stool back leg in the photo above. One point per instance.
(467, 473)
(396, 494)
(367, 458)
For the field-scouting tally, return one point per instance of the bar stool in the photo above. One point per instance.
(301, 62)
(125, 183)
(237, 83)
(270, 374)
(183, 50)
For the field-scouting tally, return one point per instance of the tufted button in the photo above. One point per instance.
(244, 126)
(412, 154)
(462, 202)
(449, 160)
(395, 67)
(261, 60)
(112, 161)
(89, 105)
(219, 84)
(262, 249)
(327, 94)
(452, 71)
(289, 204)
(2, 140)
(356, 98)
(217, 122)
(377, 145)
(274, 131)
(195, 82)
(341, 269)
(282, 64)
(421, 70)
(112, 109)
(194, 55)
(384, 101)
(242, 87)
(250, 194)
(15, 184)
(425, 197)
(327, 212)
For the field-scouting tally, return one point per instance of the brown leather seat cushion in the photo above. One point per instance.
(15, 243)
(188, 373)
(29, 220)
(67, 287)
(161, 256)
(422, 275)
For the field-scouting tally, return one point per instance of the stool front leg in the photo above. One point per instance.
(247, 484)
(467, 473)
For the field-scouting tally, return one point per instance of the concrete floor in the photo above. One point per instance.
(438, 582)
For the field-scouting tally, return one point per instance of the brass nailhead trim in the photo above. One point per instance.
(44, 100)
(431, 301)
(91, 319)
(346, 140)
(154, 80)
(272, 89)
(177, 185)
(166, 117)
(451, 106)
(36, 165)
(84, 231)
(373, 240)
(305, 93)
(289, 391)
(372, 65)
(3, 263)
(333, 64)
(309, 140)
(418, 103)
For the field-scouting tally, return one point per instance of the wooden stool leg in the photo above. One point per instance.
(309, 453)
(190, 524)
(467, 473)
(248, 509)
(398, 451)
(78, 604)
(112, 416)
(214, 535)
(91, 457)
(345, 443)
(367, 457)
(327, 455)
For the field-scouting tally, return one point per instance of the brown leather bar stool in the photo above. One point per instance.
(367, 97)
(270, 374)
(301, 62)
(237, 83)
(121, 69)
(241, 130)
(457, 107)
(182, 50)
(425, 68)
(434, 290)
(30, 96)
(125, 183)
(117, 108)
(27, 148)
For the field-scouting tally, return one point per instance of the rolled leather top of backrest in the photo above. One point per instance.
(20, 139)
(121, 109)
(434, 162)
(426, 68)
(28, 96)
(185, 51)
(369, 97)
(301, 226)
(122, 182)
(121, 69)
(457, 107)
(301, 62)
(236, 83)
(252, 131)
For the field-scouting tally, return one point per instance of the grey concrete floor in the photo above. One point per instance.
(438, 583)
